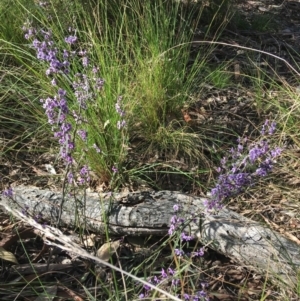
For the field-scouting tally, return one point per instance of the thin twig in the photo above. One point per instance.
(237, 46)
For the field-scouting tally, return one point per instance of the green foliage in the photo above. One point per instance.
(215, 15)
(256, 21)
(142, 50)
(10, 11)
(263, 23)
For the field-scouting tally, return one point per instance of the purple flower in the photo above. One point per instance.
(95, 69)
(262, 172)
(268, 127)
(175, 282)
(30, 32)
(179, 252)
(176, 208)
(98, 83)
(53, 82)
(146, 287)
(85, 61)
(38, 217)
(163, 273)
(84, 175)
(263, 129)
(70, 177)
(276, 152)
(121, 124)
(71, 39)
(174, 219)
(202, 294)
(118, 107)
(185, 237)
(84, 172)
(180, 220)
(98, 150)
(24, 211)
(198, 253)
(156, 280)
(171, 229)
(82, 52)
(255, 153)
(78, 119)
(82, 134)
(8, 192)
(272, 128)
(114, 169)
(65, 54)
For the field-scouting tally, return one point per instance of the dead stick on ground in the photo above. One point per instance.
(149, 213)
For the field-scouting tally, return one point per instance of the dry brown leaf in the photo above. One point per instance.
(108, 249)
(23, 233)
(89, 241)
(187, 118)
(67, 292)
(8, 256)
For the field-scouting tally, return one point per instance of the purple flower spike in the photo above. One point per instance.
(245, 168)
(58, 62)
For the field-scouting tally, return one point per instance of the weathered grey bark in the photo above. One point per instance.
(145, 213)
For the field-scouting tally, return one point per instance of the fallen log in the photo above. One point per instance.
(149, 213)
